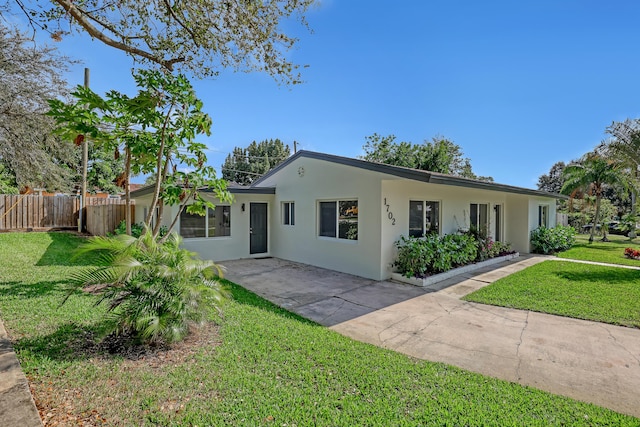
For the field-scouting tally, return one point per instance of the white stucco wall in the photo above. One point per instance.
(517, 222)
(326, 181)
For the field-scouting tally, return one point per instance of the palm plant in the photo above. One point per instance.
(153, 290)
(591, 174)
(626, 146)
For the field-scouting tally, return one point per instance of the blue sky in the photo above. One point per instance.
(518, 85)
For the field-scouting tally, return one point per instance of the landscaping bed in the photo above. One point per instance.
(433, 279)
(433, 255)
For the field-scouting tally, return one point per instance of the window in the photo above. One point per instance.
(288, 213)
(339, 219)
(424, 218)
(216, 223)
(543, 216)
(479, 217)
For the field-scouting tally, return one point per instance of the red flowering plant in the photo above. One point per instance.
(632, 253)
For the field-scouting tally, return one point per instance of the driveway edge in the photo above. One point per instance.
(17, 407)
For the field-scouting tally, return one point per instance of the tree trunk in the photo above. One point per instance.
(159, 171)
(595, 218)
(632, 232)
(174, 222)
(127, 189)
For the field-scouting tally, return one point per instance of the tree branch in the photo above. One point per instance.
(179, 21)
(83, 21)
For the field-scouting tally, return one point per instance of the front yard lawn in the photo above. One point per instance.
(261, 366)
(584, 291)
(609, 252)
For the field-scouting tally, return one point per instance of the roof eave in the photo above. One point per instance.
(408, 173)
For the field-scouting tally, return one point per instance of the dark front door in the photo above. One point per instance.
(257, 228)
(498, 209)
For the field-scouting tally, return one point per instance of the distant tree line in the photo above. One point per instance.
(245, 165)
(438, 155)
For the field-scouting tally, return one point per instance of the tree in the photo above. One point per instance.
(553, 181)
(626, 147)
(592, 174)
(245, 165)
(156, 130)
(105, 170)
(8, 183)
(31, 75)
(438, 155)
(197, 36)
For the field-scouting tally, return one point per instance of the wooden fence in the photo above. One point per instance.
(562, 219)
(28, 212)
(103, 219)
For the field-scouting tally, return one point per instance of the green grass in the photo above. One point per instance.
(261, 366)
(609, 252)
(584, 291)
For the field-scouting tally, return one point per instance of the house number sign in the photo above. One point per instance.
(389, 213)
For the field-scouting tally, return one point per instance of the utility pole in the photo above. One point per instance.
(295, 147)
(85, 161)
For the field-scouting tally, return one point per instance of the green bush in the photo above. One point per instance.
(551, 240)
(419, 257)
(153, 290)
(136, 229)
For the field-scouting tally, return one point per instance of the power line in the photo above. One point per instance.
(239, 171)
(259, 157)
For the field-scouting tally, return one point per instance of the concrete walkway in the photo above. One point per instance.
(588, 361)
(16, 404)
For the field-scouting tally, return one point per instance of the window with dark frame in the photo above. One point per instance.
(338, 219)
(424, 217)
(216, 223)
(289, 213)
(479, 217)
(543, 216)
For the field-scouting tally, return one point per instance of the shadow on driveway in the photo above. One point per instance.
(324, 296)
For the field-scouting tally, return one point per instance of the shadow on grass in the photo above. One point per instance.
(608, 276)
(244, 296)
(74, 343)
(70, 342)
(61, 250)
(33, 290)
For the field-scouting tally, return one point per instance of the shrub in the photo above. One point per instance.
(418, 257)
(551, 240)
(503, 248)
(153, 290)
(486, 247)
(136, 229)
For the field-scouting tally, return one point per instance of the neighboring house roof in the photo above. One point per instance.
(408, 173)
(233, 189)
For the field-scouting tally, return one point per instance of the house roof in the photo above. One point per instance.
(408, 173)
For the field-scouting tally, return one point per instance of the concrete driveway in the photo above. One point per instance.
(588, 361)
